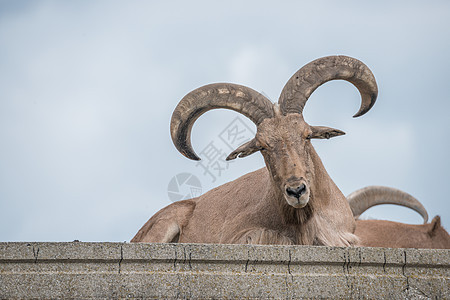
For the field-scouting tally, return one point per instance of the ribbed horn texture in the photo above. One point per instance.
(306, 80)
(364, 198)
(236, 97)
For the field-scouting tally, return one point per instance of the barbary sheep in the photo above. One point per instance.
(365, 198)
(292, 200)
(382, 233)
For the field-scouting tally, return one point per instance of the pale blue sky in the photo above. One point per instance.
(87, 89)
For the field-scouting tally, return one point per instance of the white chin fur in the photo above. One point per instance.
(297, 203)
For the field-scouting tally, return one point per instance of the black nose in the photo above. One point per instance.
(296, 192)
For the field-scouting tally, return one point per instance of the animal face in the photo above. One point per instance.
(285, 143)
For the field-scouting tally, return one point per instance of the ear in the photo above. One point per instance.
(435, 224)
(322, 132)
(244, 150)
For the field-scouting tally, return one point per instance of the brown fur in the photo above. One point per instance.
(256, 208)
(380, 233)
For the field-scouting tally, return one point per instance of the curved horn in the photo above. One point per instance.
(306, 80)
(364, 198)
(239, 98)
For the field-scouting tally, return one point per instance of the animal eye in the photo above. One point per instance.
(268, 147)
(262, 146)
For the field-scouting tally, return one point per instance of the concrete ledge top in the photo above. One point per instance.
(106, 251)
(124, 270)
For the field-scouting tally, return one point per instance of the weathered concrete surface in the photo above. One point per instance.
(121, 270)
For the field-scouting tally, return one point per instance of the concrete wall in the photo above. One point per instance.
(120, 270)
